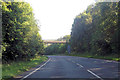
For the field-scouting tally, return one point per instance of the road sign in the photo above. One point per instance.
(68, 49)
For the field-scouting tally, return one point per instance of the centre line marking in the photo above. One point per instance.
(35, 70)
(81, 66)
(77, 64)
(95, 74)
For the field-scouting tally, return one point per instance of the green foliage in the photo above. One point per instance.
(15, 68)
(96, 30)
(21, 38)
(88, 55)
(64, 38)
(56, 49)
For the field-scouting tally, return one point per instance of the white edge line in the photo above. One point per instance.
(35, 70)
(95, 74)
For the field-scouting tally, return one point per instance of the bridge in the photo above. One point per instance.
(47, 43)
(54, 42)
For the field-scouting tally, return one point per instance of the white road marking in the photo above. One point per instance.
(35, 70)
(73, 61)
(77, 64)
(90, 72)
(81, 66)
(95, 74)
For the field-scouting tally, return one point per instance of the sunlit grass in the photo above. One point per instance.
(0, 71)
(15, 68)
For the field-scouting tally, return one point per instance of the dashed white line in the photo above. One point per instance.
(77, 64)
(35, 70)
(81, 66)
(89, 71)
(73, 61)
(95, 74)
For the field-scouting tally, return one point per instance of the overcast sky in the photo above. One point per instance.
(56, 16)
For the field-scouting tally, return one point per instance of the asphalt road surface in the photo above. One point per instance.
(75, 67)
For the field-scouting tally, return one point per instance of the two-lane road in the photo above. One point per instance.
(75, 67)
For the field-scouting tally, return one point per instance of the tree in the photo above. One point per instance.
(21, 38)
(64, 38)
(96, 30)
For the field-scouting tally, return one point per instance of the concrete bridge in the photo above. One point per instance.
(47, 43)
(54, 42)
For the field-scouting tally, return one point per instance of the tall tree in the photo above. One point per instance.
(21, 38)
(96, 29)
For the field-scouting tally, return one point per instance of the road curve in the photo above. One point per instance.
(75, 67)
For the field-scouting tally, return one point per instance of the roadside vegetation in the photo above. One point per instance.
(21, 38)
(22, 46)
(55, 49)
(96, 32)
(13, 69)
(88, 55)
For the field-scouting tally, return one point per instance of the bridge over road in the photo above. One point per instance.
(54, 42)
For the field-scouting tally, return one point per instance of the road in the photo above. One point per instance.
(75, 67)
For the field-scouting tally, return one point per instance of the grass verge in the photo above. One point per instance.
(108, 57)
(16, 68)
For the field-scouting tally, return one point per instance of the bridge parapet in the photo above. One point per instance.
(54, 42)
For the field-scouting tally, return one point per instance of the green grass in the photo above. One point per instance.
(0, 63)
(108, 57)
(16, 68)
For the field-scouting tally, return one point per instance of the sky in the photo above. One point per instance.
(55, 17)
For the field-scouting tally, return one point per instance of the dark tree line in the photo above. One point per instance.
(21, 39)
(96, 30)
